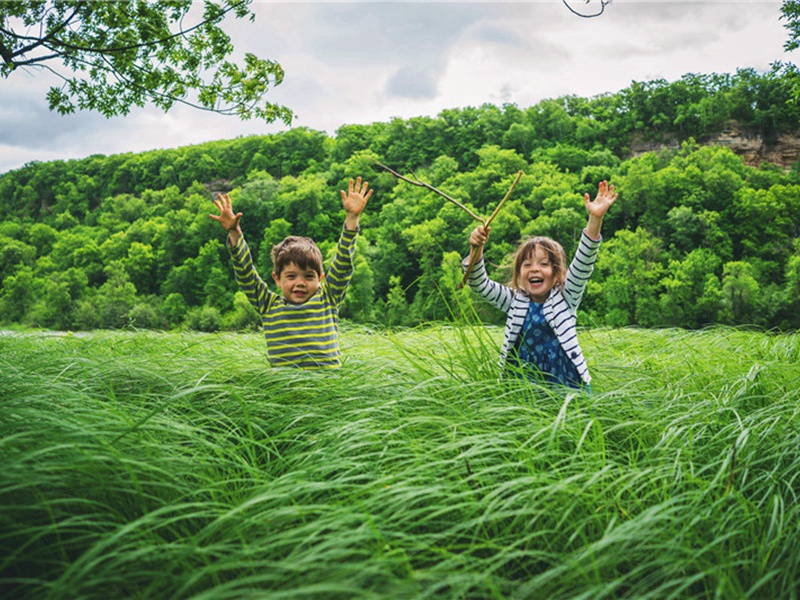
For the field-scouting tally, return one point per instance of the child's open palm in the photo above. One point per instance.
(226, 218)
(605, 198)
(356, 198)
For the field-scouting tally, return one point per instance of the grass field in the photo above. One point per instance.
(162, 465)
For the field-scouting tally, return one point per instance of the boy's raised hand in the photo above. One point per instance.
(605, 198)
(354, 202)
(356, 198)
(226, 218)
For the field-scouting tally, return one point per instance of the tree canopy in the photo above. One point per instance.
(111, 56)
(698, 235)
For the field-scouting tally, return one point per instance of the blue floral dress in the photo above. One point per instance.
(540, 353)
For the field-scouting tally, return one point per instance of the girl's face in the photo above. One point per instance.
(536, 277)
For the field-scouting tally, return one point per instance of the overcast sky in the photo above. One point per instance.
(361, 62)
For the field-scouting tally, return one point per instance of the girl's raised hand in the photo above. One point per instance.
(605, 198)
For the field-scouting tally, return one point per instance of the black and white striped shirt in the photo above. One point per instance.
(559, 309)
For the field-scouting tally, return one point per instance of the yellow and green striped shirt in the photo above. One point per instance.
(299, 335)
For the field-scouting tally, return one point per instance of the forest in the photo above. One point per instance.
(697, 237)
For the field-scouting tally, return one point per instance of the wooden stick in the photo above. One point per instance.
(473, 256)
(508, 193)
(418, 182)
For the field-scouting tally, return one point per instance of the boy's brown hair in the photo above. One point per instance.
(555, 254)
(301, 251)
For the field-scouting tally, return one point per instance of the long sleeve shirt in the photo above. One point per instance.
(560, 308)
(299, 335)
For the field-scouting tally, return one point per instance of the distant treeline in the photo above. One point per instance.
(697, 236)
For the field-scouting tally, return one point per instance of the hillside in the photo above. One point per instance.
(705, 230)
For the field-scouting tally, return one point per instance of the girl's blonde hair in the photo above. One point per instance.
(555, 254)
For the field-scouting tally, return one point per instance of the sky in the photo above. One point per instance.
(364, 62)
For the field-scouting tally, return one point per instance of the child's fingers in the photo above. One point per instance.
(479, 236)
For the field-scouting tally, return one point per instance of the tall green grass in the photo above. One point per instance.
(147, 465)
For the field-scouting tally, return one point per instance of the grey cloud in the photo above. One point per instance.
(367, 33)
(409, 82)
(25, 119)
(345, 60)
(495, 34)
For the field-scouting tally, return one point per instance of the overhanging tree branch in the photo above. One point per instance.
(128, 52)
(603, 4)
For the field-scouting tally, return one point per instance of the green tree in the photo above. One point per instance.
(114, 55)
(42, 237)
(395, 309)
(140, 264)
(174, 309)
(692, 295)
(740, 294)
(14, 254)
(631, 269)
(17, 295)
(790, 310)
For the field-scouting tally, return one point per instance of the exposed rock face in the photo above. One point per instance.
(783, 151)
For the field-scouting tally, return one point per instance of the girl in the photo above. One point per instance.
(543, 297)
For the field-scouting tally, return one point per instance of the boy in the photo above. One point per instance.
(301, 326)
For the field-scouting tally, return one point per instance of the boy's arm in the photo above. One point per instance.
(478, 281)
(337, 279)
(582, 265)
(250, 282)
(477, 240)
(247, 277)
(339, 274)
(580, 269)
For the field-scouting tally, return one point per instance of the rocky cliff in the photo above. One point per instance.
(783, 151)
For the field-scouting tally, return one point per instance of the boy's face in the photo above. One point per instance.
(297, 285)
